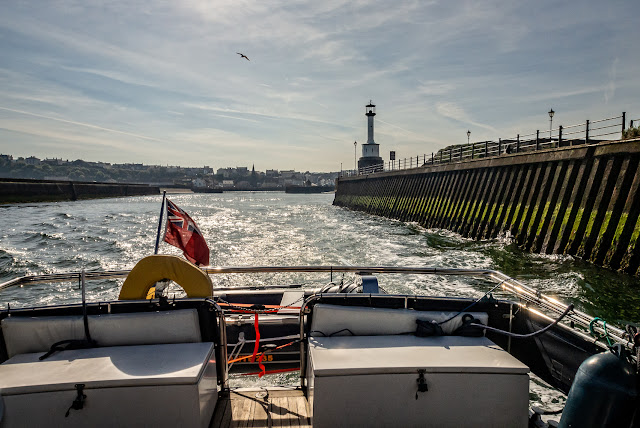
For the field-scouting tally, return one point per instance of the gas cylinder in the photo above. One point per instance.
(603, 393)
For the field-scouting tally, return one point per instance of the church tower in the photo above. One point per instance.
(370, 150)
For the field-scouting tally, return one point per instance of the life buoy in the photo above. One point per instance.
(154, 268)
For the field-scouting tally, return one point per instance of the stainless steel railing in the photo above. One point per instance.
(508, 284)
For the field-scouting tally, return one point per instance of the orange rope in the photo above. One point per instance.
(249, 305)
(262, 353)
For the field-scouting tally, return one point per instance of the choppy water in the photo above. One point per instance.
(264, 228)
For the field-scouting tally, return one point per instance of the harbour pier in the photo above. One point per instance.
(16, 190)
(582, 200)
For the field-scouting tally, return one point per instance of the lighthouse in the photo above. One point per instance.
(370, 150)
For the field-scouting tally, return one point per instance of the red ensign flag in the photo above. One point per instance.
(182, 232)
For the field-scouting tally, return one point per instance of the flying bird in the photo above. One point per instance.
(243, 56)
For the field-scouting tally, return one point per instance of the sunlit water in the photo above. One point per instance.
(264, 228)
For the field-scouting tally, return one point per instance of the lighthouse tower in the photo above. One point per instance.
(370, 150)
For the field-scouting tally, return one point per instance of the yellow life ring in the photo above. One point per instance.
(154, 268)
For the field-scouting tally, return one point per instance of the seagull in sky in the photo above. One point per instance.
(243, 56)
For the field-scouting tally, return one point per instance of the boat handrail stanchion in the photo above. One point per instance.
(303, 359)
(224, 383)
(223, 371)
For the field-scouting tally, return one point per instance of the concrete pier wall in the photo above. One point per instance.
(43, 191)
(583, 201)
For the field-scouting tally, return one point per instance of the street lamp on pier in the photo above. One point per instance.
(551, 112)
(468, 136)
(355, 155)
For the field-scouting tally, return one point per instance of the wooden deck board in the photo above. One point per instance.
(262, 408)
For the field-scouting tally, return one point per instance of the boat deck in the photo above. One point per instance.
(265, 407)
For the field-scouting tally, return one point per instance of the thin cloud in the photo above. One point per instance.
(87, 125)
(435, 87)
(234, 117)
(414, 134)
(556, 95)
(610, 88)
(263, 114)
(457, 113)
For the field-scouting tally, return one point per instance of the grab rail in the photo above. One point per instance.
(521, 291)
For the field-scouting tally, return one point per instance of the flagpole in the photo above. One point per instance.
(164, 195)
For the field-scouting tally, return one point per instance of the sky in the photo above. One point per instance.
(161, 83)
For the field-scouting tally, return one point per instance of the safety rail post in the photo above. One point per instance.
(450, 154)
(586, 137)
(624, 114)
(486, 149)
(440, 156)
(499, 146)
(431, 158)
(424, 159)
(559, 135)
(473, 151)
(631, 123)
(518, 144)
(537, 140)
(417, 161)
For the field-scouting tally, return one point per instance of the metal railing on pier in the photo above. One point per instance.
(588, 132)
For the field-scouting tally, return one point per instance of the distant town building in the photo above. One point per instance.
(253, 180)
(32, 160)
(53, 161)
(198, 183)
(225, 172)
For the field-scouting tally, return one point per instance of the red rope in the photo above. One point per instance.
(255, 348)
(262, 367)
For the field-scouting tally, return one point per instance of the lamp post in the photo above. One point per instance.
(551, 112)
(355, 155)
(468, 136)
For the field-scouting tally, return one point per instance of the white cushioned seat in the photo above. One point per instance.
(37, 334)
(329, 320)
